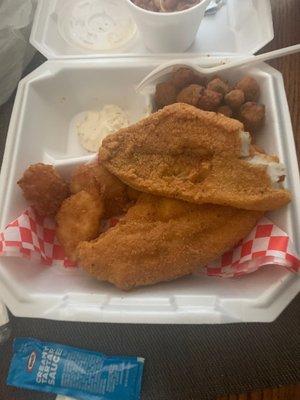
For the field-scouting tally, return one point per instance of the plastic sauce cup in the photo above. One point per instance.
(168, 32)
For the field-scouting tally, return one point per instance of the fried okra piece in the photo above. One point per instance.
(218, 85)
(252, 115)
(250, 88)
(183, 77)
(235, 99)
(165, 94)
(210, 100)
(190, 95)
(225, 110)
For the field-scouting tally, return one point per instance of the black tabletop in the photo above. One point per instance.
(182, 361)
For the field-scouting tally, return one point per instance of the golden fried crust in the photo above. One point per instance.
(192, 155)
(86, 177)
(163, 239)
(173, 130)
(78, 219)
(223, 181)
(43, 188)
(114, 193)
(96, 179)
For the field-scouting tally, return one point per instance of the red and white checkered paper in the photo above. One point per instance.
(31, 236)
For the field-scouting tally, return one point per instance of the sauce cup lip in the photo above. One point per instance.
(167, 13)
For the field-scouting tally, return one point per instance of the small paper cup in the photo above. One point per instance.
(169, 32)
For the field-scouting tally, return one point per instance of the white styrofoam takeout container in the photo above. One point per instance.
(42, 130)
(238, 27)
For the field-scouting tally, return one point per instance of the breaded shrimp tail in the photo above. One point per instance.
(78, 219)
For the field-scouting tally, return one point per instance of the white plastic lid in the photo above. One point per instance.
(95, 24)
(3, 314)
(68, 29)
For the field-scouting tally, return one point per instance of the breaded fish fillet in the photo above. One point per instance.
(78, 219)
(162, 239)
(192, 155)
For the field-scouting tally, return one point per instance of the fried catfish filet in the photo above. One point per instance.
(43, 188)
(193, 155)
(162, 239)
(78, 219)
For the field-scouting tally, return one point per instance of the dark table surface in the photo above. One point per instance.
(191, 362)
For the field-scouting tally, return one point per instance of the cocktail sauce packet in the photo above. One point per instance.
(82, 374)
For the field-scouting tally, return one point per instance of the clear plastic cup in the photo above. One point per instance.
(168, 32)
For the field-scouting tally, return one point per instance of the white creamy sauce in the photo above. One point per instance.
(98, 124)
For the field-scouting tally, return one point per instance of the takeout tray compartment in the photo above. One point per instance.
(239, 27)
(46, 103)
(56, 98)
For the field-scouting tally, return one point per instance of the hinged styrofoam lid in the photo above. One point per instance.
(95, 26)
(102, 28)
